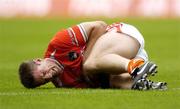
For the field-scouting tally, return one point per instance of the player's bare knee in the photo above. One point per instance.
(89, 67)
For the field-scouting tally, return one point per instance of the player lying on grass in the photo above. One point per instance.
(93, 55)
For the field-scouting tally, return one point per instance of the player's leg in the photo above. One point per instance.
(122, 81)
(111, 53)
(125, 81)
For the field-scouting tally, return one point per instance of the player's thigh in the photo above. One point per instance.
(115, 43)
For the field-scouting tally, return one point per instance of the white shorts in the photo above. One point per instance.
(133, 32)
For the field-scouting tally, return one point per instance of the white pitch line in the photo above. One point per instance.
(64, 92)
(34, 93)
(178, 88)
(52, 93)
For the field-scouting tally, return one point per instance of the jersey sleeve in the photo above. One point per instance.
(83, 32)
(78, 35)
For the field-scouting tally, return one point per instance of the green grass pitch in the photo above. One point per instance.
(22, 39)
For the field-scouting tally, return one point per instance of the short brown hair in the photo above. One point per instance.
(26, 74)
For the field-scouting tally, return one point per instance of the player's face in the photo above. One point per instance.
(46, 69)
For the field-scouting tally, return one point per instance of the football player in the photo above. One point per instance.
(93, 55)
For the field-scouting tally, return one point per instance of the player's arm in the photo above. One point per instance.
(93, 25)
(57, 82)
(93, 30)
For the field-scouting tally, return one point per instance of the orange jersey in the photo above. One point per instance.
(67, 47)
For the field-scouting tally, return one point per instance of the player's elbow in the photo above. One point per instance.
(101, 23)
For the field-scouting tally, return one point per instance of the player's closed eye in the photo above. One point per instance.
(37, 61)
